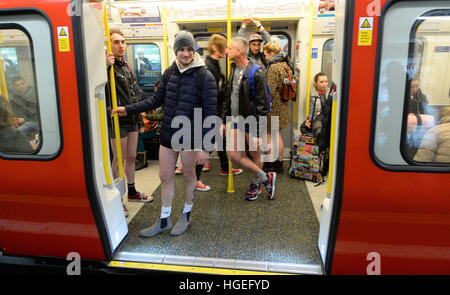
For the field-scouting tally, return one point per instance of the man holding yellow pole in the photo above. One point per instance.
(125, 91)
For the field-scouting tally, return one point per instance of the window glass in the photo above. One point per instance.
(146, 64)
(427, 128)
(284, 42)
(413, 91)
(20, 124)
(202, 45)
(202, 42)
(27, 79)
(327, 59)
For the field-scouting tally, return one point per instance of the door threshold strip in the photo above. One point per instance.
(209, 265)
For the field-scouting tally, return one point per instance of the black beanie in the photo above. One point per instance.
(183, 39)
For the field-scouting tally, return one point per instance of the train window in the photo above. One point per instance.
(327, 58)
(146, 64)
(202, 44)
(284, 40)
(413, 95)
(28, 89)
(427, 120)
(19, 107)
(202, 41)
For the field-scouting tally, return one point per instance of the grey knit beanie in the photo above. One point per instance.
(182, 39)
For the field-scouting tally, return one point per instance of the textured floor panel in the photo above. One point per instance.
(226, 226)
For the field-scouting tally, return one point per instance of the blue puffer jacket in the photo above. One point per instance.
(179, 98)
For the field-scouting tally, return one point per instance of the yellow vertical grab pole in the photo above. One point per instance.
(230, 188)
(332, 145)
(294, 115)
(113, 96)
(166, 52)
(3, 88)
(105, 158)
(308, 85)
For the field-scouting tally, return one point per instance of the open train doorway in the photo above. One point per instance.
(228, 232)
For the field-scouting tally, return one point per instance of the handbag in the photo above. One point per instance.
(289, 88)
(148, 124)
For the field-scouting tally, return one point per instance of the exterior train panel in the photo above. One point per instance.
(45, 205)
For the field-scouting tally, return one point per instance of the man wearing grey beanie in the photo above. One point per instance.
(185, 86)
(183, 39)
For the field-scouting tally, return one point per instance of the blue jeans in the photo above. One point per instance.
(141, 137)
(29, 128)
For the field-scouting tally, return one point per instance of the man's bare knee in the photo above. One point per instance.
(166, 176)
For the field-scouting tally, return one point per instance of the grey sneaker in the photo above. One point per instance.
(159, 226)
(182, 224)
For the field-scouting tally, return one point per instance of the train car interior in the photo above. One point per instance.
(62, 98)
(225, 247)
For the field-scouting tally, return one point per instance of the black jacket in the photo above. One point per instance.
(125, 91)
(180, 97)
(214, 68)
(248, 105)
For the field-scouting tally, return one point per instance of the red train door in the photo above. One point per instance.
(53, 197)
(392, 209)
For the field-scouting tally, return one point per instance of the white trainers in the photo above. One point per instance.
(179, 171)
(202, 187)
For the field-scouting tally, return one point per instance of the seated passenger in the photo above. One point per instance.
(24, 108)
(435, 145)
(420, 117)
(12, 140)
(319, 116)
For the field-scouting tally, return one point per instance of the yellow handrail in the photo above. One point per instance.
(101, 107)
(3, 88)
(230, 188)
(308, 83)
(113, 96)
(166, 52)
(332, 145)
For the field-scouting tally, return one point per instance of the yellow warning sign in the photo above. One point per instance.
(365, 31)
(62, 33)
(365, 24)
(63, 39)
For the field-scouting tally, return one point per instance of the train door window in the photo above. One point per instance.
(413, 95)
(202, 44)
(146, 64)
(27, 89)
(284, 40)
(202, 41)
(327, 59)
(428, 97)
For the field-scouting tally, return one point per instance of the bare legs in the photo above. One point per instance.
(168, 159)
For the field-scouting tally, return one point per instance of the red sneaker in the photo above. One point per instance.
(202, 187)
(206, 167)
(234, 171)
(140, 197)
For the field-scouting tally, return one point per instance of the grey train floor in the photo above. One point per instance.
(282, 230)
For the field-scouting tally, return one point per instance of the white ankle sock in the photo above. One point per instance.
(262, 176)
(165, 212)
(187, 207)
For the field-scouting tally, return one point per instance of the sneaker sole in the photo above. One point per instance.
(226, 174)
(254, 198)
(142, 201)
(203, 189)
